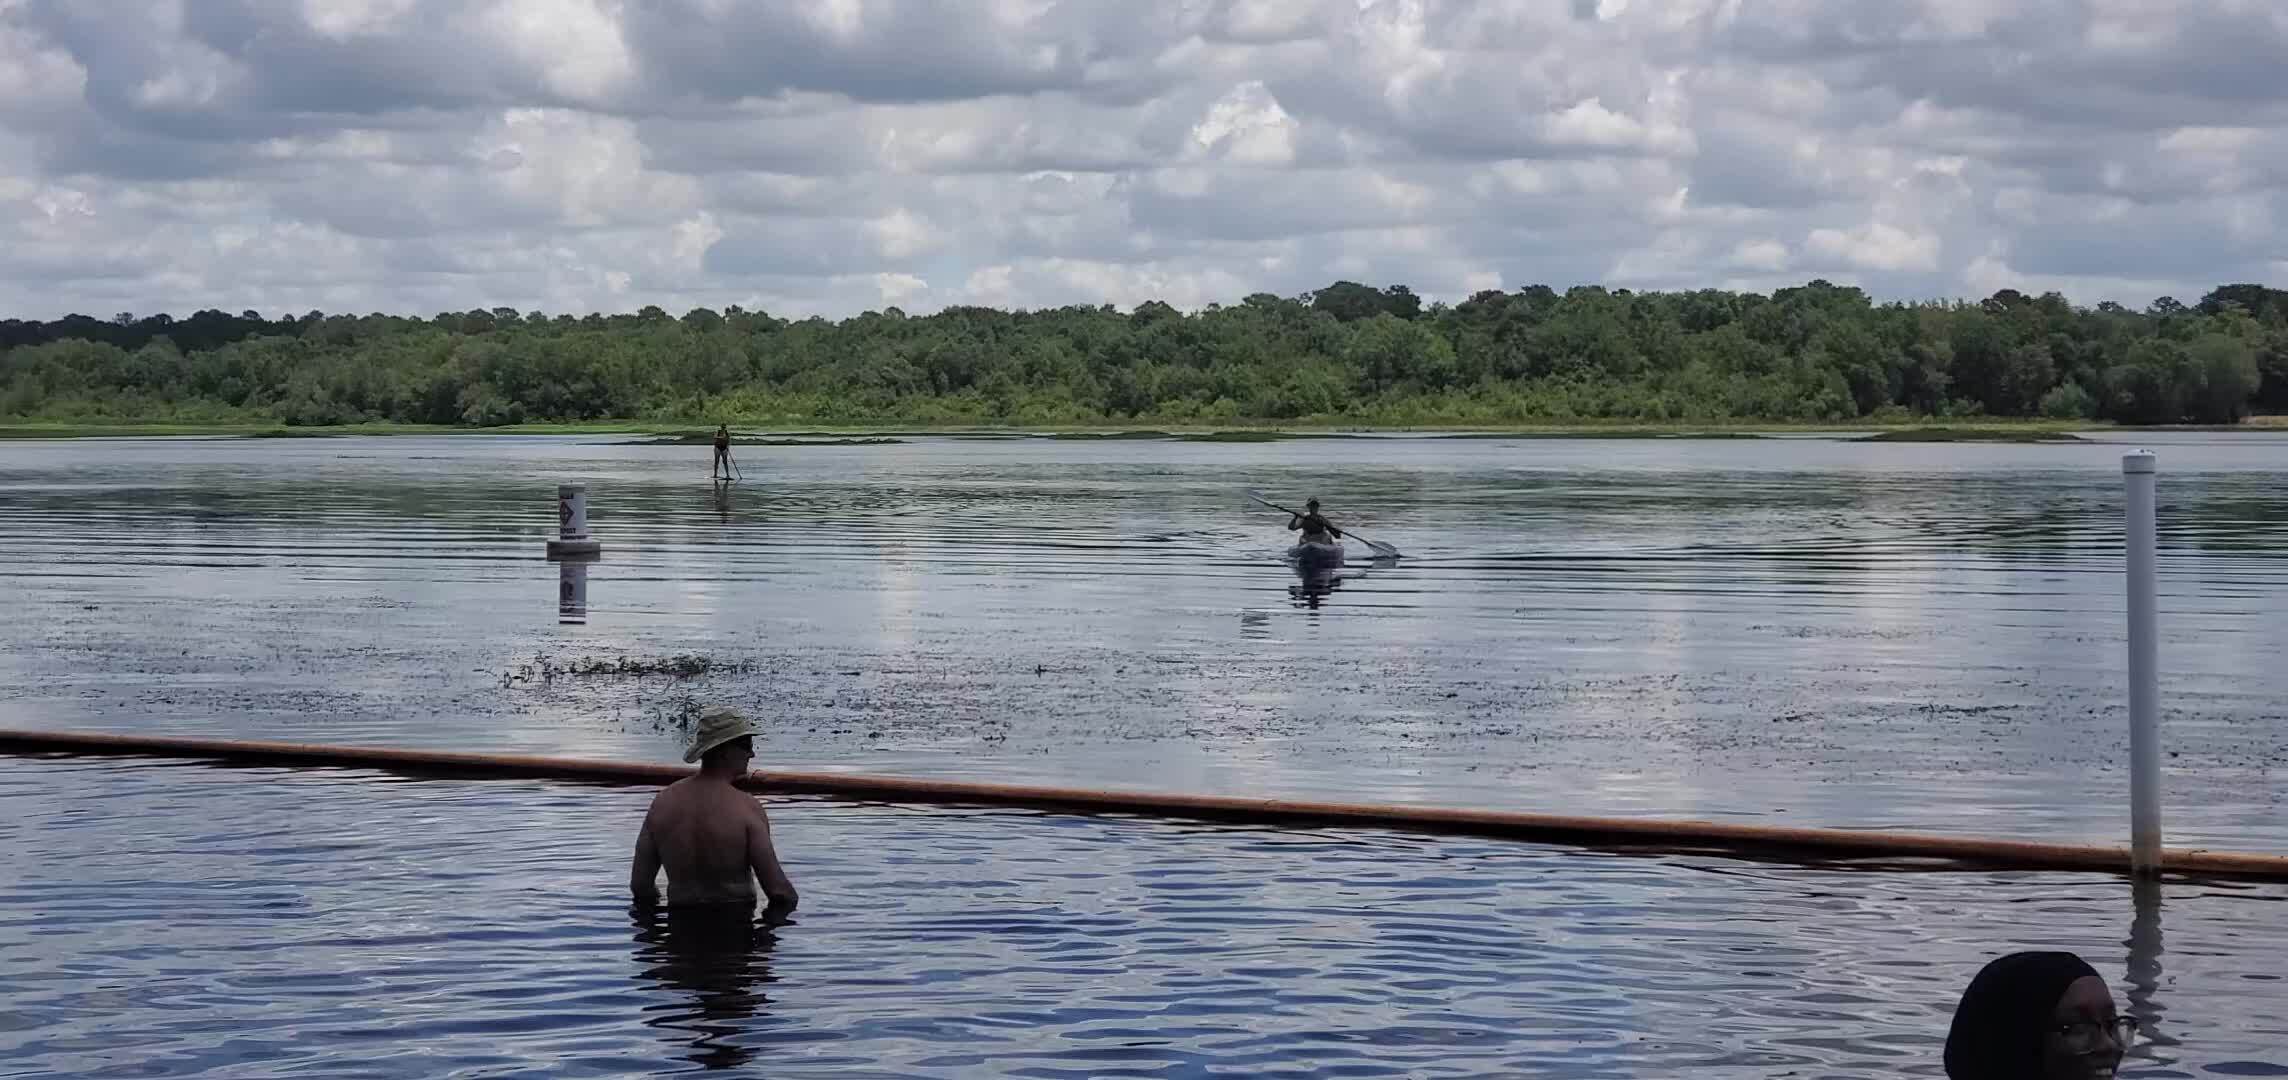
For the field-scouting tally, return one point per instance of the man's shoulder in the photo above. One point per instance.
(704, 792)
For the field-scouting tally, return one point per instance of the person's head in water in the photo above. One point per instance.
(731, 757)
(1312, 506)
(724, 741)
(2036, 1016)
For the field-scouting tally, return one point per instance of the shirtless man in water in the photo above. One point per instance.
(713, 839)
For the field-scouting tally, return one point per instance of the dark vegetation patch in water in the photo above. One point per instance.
(678, 713)
(1602, 433)
(113, 431)
(1970, 434)
(705, 438)
(545, 668)
(1185, 436)
(1242, 436)
(1103, 436)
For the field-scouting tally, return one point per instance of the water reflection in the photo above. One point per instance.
(2145, 966)
(1756, 620)
(714, 962)
(572, 592)
(996, 943)
(1313, 585)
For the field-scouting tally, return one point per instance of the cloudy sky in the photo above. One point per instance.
(829, 157)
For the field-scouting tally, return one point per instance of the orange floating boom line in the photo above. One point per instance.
(1848, 848)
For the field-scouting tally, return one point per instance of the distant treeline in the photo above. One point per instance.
(1348, 353)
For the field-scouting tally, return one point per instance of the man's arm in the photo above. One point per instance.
(643, 875)
(763, 859)
(1294, 523)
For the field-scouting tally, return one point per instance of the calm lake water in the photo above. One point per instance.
(1803, 630)
(167, 920)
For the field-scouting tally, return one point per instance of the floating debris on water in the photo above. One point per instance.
(1972, 434)
(1250, 435)
(678, 714)
(689, 665)
(705, 438)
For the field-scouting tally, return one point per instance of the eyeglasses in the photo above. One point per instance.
(2081, 1035)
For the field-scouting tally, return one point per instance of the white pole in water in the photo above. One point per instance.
(2137, 470)
(572, 523)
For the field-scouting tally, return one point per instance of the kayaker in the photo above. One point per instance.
(1316, 529)
(713, 839)
(722, 465)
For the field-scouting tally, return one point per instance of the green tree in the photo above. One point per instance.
(2272, 372)
(2224, 375)
(1366, 354)
(2146, 387)
(2068, 401)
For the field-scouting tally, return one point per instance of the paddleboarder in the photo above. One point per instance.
(1316, 529)
(722, 466)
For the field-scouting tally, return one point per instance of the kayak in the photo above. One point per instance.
(1316, 555)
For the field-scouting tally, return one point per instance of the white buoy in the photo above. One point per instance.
(572, 524)
(2137, 470)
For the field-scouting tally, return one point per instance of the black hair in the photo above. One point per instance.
(1997, 1032)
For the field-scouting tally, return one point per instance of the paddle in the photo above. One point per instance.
(1384, 550)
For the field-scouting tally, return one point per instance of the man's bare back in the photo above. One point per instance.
(713, 839)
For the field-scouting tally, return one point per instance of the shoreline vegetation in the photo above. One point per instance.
(2024, 431)
(1345, 358)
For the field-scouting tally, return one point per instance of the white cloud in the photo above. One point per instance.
(901, 234)
(1247, 126)
(418, 155)
(898, 288)
(1590, 124)
(583, 168)
(1769, 256)
(2208, 140)
(1989, 274)
(992, 285)
(694, 236)
(343, 19)
(1876, 246)
(574, 44)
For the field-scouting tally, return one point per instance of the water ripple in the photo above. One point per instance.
(1805, 631)
(175, 920)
